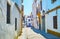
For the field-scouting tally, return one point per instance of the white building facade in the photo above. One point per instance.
(52, 16)
(34, 13)
(29, 21)
(9, 19)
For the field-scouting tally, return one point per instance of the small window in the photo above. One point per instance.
(8, 13)
(29, 20)
(53, 1)
(55, 22)
(41, 4)
(15, 23)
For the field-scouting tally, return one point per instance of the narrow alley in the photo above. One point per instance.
(29, 19)
(28, 33)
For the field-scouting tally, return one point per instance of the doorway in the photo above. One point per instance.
(43, 23)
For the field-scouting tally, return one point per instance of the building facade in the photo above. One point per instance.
(52, 17)
(9, 19)
(29, 21)
(21, 6)
(39, 14)
(34, 13)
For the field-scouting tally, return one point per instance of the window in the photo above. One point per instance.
(28, 19)
(8, 13)
(55, 22)
(15, 23)
(41, 4)
(53, 1)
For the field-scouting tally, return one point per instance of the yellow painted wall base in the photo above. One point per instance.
(53, 32)
(16, 37)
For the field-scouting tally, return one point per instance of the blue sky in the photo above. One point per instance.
(27, 6)
(17, 1)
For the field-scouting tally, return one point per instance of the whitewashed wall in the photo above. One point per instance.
(49, 17)
(34, 9)
(49, 21)
(7, 31)
(3, 28)
(15, 14)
